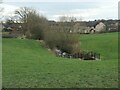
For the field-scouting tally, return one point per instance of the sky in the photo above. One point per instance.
(53, 9)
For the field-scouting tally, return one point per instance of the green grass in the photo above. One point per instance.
(27, 64)
(106, 44)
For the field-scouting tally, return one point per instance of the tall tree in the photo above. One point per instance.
(32, 23)
(23, 13)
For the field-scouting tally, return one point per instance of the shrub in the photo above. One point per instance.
(65, 42)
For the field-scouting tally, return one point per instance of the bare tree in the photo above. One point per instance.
(67, 19)
(23, 15)
(32, 23)
(63, 19)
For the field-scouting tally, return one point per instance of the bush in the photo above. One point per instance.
(65, 42)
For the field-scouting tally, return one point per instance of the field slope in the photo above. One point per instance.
(27, 64)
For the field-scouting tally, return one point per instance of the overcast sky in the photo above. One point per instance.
(81, 9)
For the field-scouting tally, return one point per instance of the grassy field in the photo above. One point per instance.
(27, 64)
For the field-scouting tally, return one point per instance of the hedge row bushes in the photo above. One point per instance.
(65, 42)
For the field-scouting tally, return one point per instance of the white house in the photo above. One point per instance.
(100, 27)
